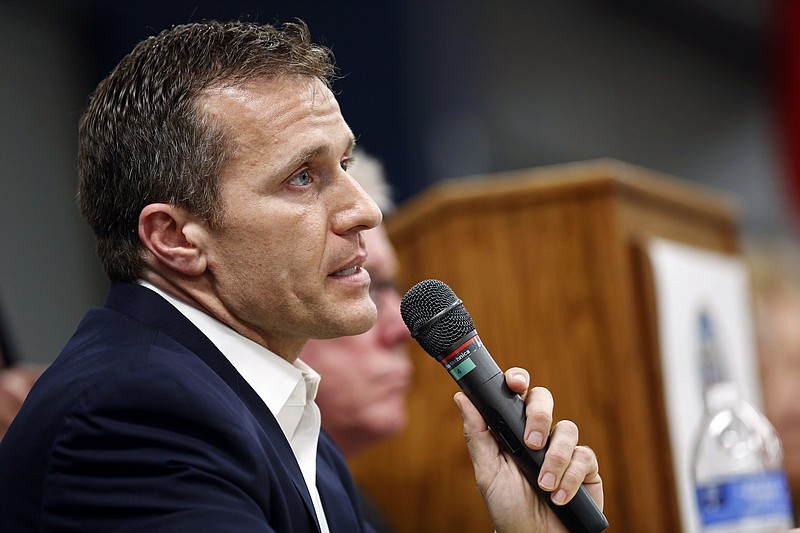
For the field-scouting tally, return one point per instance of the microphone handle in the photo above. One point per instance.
(479, 376)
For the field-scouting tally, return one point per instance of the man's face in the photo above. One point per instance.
(365, 378)
(286, 261)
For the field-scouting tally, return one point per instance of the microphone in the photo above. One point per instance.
(440, 323)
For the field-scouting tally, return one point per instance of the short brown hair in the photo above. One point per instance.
(143, 139)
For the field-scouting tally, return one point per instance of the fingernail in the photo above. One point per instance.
(536, 439)
(518, 377)
(455, 399)
(560, 496)
(548, 481)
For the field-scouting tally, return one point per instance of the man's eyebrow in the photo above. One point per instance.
(317, 152)
(305, 156)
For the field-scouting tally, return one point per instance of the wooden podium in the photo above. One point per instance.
(550, 264)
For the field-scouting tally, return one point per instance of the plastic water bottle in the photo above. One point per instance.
(738, 461)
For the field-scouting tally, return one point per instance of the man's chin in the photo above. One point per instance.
(356, 323)
(360, 327)
(365, 319)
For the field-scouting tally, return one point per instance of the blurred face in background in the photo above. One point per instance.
(779, 350)
(365, 378)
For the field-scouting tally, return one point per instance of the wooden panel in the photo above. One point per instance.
(549, 265)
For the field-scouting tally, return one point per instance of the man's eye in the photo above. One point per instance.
(345, 164)
(301, 180)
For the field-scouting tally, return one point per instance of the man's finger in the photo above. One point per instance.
(539, 416)
(582, 468)
(558, 458)
(518, 380)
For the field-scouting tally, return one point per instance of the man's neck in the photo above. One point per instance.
(196, 294)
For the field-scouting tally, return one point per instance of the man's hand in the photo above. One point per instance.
(15, 383)
(513, 505)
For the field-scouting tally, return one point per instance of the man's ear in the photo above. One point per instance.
(174, 237)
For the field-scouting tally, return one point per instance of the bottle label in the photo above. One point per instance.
(764, 495)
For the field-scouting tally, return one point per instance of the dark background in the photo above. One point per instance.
(435, 89)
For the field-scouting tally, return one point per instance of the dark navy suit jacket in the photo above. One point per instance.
(141, 424)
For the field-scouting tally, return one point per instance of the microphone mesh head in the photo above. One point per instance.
(424, 301)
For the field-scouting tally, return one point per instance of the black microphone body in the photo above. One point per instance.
(435, 316)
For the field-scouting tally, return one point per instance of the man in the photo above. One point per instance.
(212, 165)
(366, 377)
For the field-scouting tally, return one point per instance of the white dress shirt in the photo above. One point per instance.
(287, 389)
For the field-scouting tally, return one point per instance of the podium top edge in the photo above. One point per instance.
(561, 181)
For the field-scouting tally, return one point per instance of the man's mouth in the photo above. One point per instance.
(352, 267)
(347, 271)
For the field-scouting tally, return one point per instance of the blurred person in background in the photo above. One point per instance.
(366, 377)
(16, 380)
(775, 275)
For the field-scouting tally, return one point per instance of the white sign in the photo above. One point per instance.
(690, 281)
